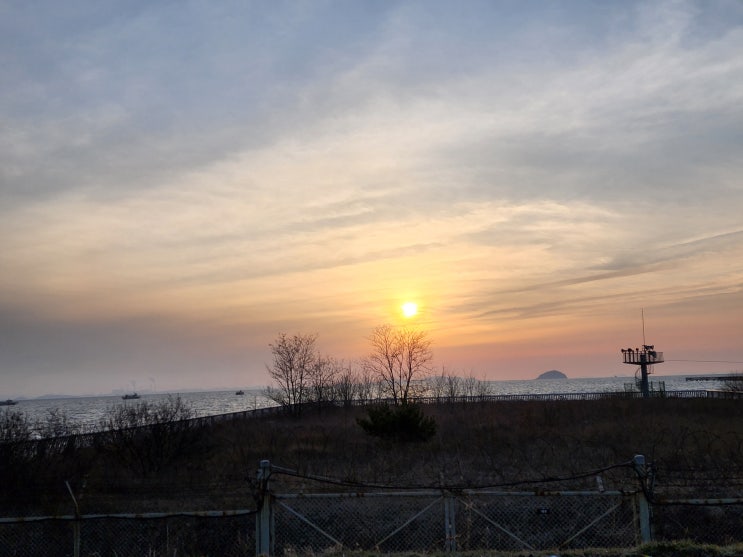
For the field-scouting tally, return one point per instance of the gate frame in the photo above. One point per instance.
(265, 519)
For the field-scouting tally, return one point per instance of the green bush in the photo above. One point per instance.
(404, 423)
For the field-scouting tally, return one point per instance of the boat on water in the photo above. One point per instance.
(241, 392)
(8, 402)
(130, 396)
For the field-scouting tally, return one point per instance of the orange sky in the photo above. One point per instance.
(174, 197)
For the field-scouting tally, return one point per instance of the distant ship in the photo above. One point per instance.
(241, 392)
(8, 402)
(130, 396)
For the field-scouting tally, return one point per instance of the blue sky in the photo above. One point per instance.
(181, 181)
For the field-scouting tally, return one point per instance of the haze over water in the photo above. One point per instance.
(88, 410)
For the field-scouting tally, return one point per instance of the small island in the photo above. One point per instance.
(553, 374)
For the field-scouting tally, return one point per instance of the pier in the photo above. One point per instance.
(729, 377)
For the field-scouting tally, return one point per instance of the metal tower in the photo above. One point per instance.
(643, 357)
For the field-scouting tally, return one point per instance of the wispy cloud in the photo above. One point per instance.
(306, 165)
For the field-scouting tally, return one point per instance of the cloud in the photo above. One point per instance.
(304, 165)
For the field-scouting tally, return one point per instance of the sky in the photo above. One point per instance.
(181, 182)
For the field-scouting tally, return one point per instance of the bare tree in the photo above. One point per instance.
(293, 360)
(367, 382)
(148, 436)
(385, 359)
(473, 387)
(398, 358)
(443, 386)
(347, 384)
(450, 386)
(15, 426)
(322, 377)
(454, 386)
(57, 424)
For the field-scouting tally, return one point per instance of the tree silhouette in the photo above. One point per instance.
(294, 358)
(399, 357)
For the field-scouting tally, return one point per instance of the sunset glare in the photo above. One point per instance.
(409, 309)
(182, 182)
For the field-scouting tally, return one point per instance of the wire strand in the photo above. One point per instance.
(707, 361)
(364, 485)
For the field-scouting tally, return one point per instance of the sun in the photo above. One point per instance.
(409, 309)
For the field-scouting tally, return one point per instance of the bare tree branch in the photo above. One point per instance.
(293, 361)
(398, 358)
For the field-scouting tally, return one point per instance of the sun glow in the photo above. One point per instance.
(409, 309)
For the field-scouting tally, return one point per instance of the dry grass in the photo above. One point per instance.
(691, 442)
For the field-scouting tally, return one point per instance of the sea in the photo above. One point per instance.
(86, 412)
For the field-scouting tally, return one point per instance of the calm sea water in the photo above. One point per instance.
(87, 411)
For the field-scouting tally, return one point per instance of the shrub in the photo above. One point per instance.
(57, 424)
(148, 436)
(15, 434)
(734, 383)
(403, 423)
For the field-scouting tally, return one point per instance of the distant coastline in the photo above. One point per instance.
(573, 384)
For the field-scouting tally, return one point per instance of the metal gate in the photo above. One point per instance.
(435, 521)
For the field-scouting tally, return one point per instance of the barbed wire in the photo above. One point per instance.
(364, 485)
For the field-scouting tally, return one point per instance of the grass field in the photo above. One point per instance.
(695, 447)
(694, 444)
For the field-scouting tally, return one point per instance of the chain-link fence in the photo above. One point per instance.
(467, 521)
(710, 521)
(382, 520)
(228, 534)
(424, 522)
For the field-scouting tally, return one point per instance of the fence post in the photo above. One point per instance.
(75, 524)
(264, 518)
(450, 545)
(642, 499)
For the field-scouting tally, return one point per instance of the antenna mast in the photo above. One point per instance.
(644, 357)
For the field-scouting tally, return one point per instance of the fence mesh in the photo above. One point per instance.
(228, 536)
(529, 521)
(306, 525)
(27, 539)
(713, 524)
(425, 522)
(466, 522)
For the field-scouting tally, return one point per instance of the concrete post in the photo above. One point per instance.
(642, 499)
(264, 518)
(450, 545)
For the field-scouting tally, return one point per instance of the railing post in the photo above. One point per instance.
(264, 518)
(642, 499)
